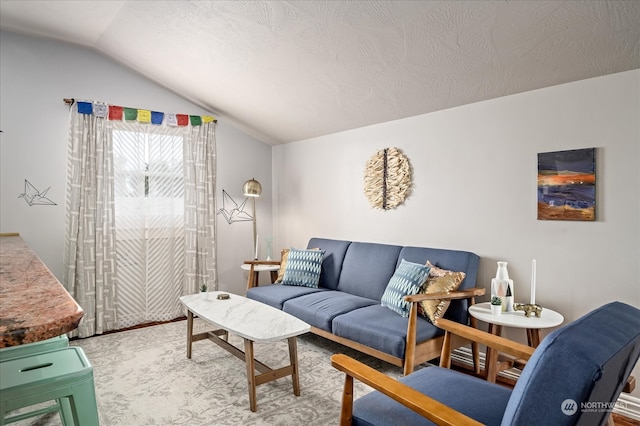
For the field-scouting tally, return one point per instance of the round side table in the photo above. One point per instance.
(253, 278)
(516, 319)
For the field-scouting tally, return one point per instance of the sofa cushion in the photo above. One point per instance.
(367, 269)
(380, 328)
(481, 400)
(275, 295)
(284, 255)
(303, 268)
(319, 309)
(334, 252)
(439, 281)
(453, 260)
(407, 280)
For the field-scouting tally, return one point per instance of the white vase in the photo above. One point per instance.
(496, 309)
(502, 273)
(203, 295)
(502, 287)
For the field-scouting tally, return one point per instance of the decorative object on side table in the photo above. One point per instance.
(496, 305)
(528, 308)
(502, 286)
(269, 241)
(203, 291)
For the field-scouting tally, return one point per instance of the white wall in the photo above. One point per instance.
(474, 188)
(35, 75)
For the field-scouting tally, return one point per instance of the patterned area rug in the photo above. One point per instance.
(143, 377)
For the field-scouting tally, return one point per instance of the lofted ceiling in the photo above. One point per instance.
(290, 70)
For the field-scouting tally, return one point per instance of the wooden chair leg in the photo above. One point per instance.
(347, 402)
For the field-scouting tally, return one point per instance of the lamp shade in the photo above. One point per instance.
(252, 188)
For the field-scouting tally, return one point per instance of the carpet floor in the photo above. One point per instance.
(143, 377)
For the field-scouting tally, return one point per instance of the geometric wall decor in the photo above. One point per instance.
(34, 197)
(233, 212)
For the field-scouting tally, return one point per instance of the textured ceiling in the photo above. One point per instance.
(290, 70)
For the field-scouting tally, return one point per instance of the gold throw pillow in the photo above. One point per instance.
(439, 281)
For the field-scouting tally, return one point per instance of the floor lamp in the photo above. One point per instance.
(253, 189)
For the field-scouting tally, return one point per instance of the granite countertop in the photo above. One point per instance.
(34, 305)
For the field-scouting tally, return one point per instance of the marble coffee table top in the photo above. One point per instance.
(244, 317)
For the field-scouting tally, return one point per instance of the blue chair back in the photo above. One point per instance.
(578, 371)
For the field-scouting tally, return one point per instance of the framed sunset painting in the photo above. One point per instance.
(567, 185)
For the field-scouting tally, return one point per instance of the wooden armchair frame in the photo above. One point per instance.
(425, 406)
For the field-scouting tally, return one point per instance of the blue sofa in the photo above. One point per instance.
(346, 305)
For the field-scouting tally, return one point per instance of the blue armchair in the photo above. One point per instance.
(573, 378)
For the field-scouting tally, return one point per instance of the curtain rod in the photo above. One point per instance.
(71, 101)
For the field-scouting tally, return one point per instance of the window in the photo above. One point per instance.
(149, 208)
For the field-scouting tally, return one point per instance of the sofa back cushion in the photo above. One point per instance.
(334, 252)
(453, 260)
(367, 269)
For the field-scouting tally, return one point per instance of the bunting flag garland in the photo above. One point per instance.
(115, 112)
(100, 110)
(156, 117)
(144, 116)
(85, 107)
(172, 120)
(118, 113)
(183, 119)
(130, 114)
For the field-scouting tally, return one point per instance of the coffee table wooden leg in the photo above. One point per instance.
(293, 358)
(189, 333)
(251, 374)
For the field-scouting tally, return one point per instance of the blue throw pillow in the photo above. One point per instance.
(406, 280)
(303, 268)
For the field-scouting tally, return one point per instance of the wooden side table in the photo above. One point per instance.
(532, 325)
(256, 266)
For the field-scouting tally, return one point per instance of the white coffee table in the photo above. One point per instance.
(516, 319)
(255, 322)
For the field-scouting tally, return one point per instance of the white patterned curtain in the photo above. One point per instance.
(159, 202)
(200, 211)
(90, 254)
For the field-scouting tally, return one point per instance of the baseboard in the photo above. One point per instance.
(627, 405)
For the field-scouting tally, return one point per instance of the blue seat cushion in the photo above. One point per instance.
(275, 295)
(478, 399)
(319, 309)
(380, 328)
